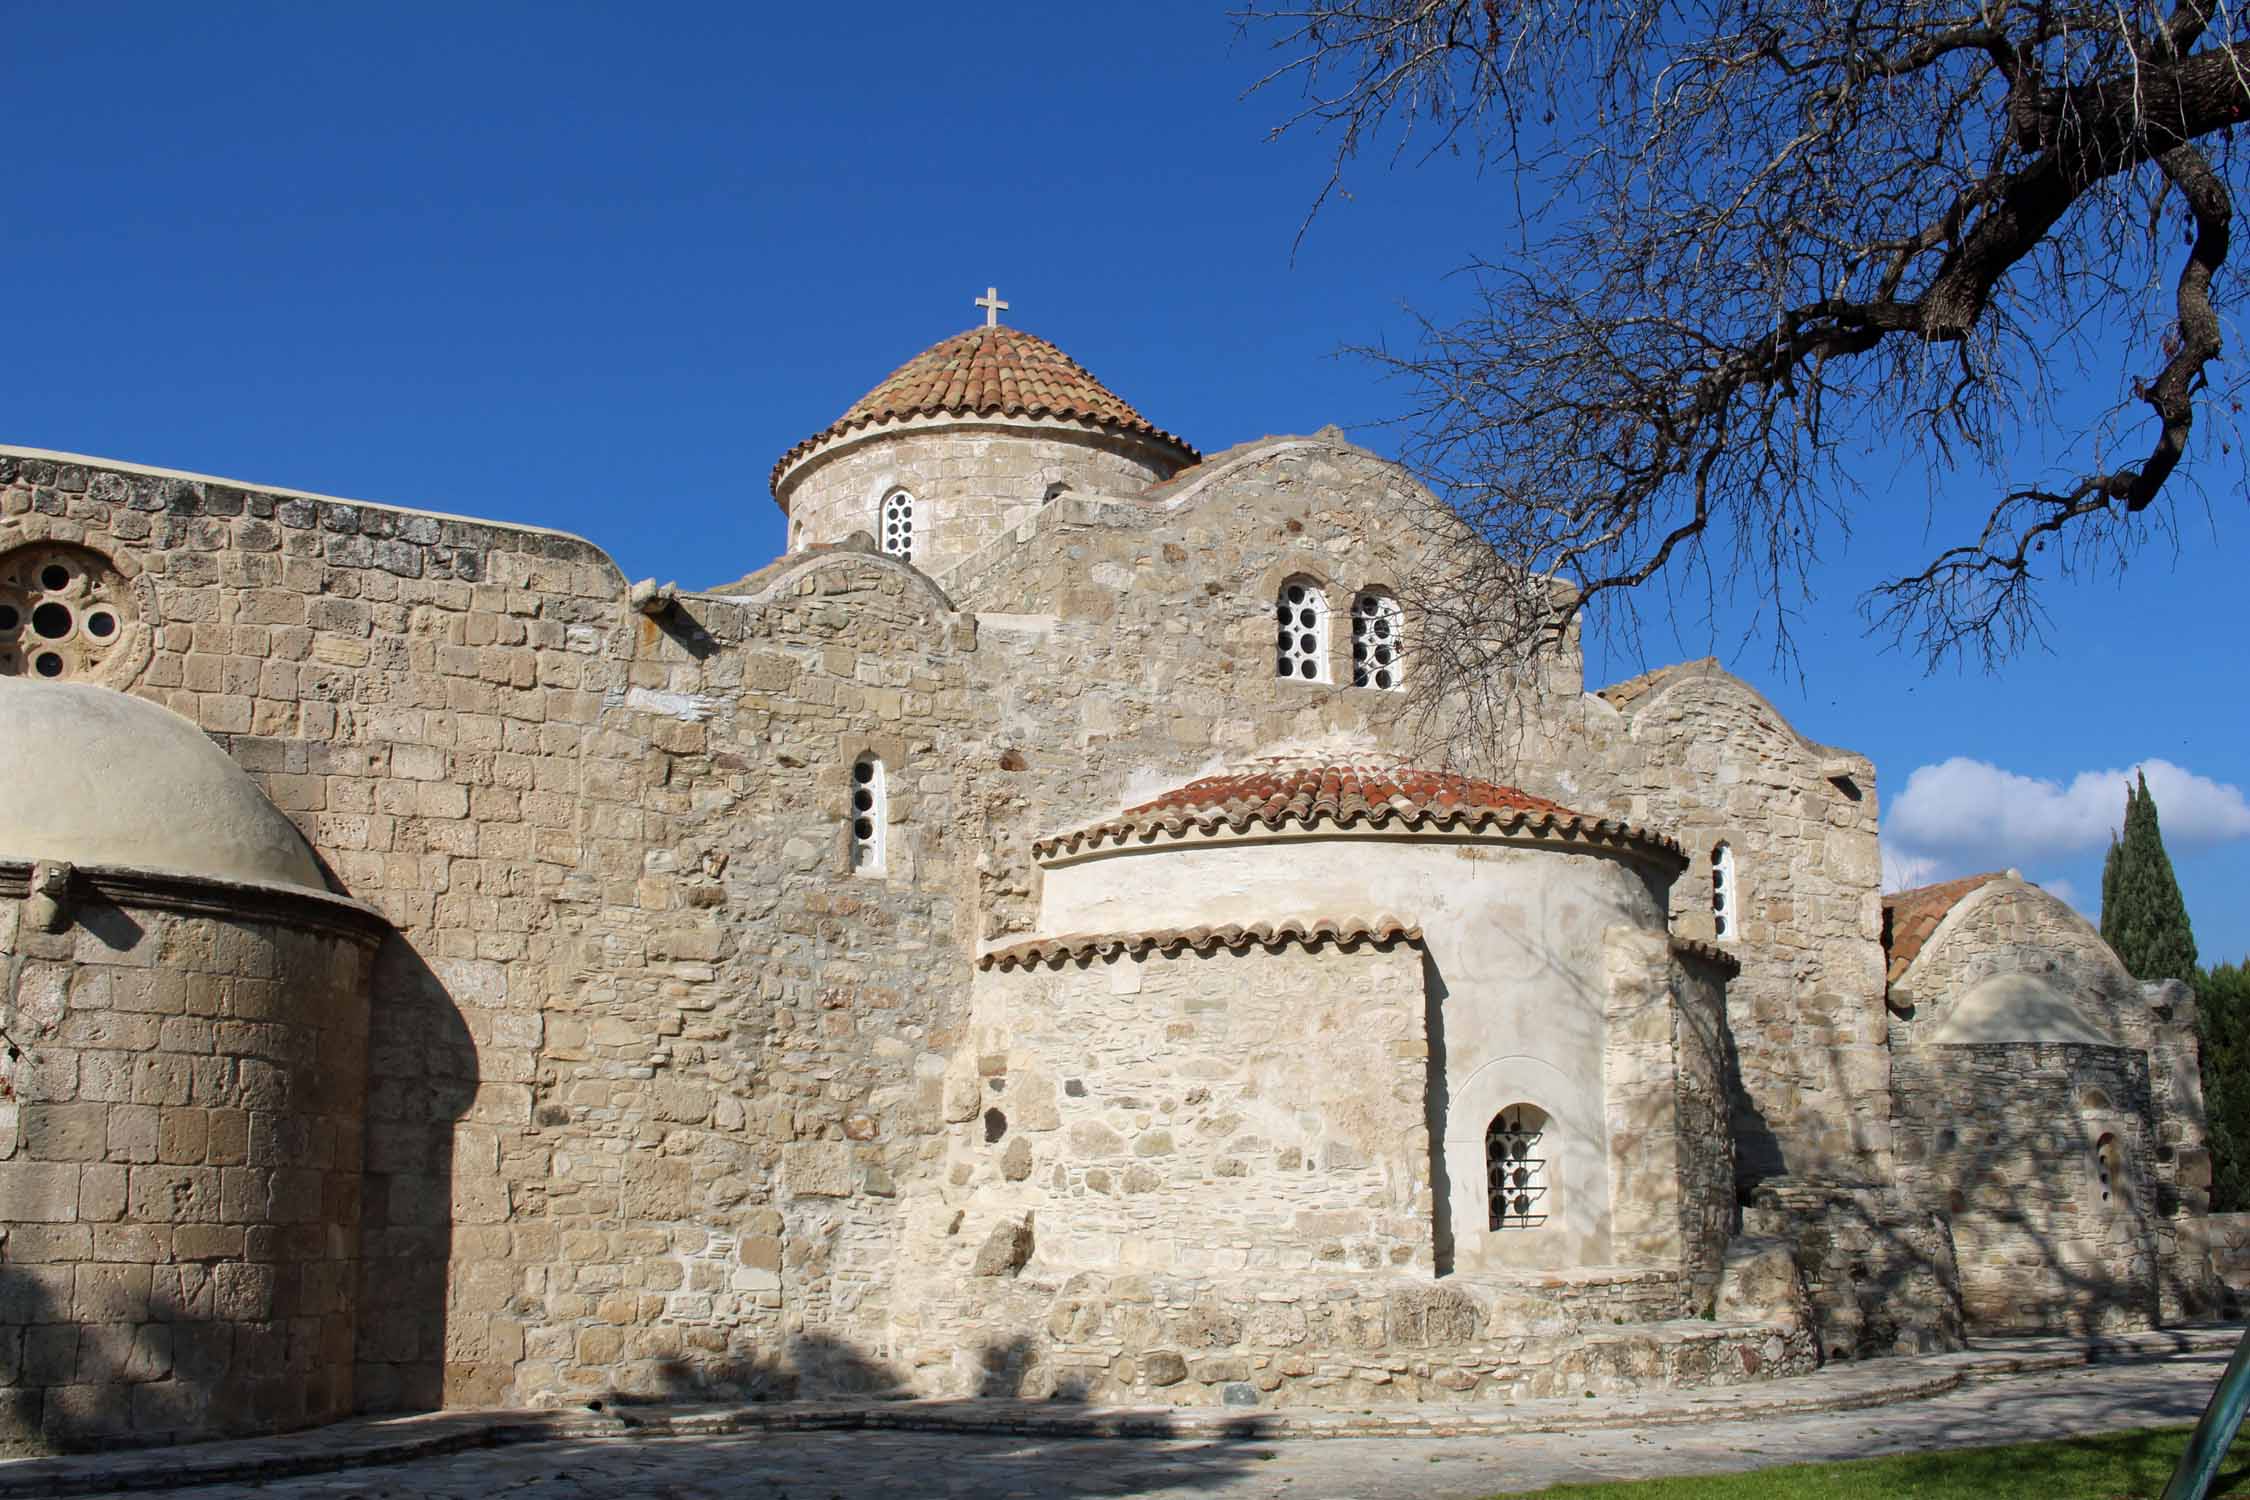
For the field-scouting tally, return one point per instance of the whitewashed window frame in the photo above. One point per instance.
(898, 523)
(1378, 641)
(869, 810)
(1518, 1161)
(1726, 894)
(1301, 630)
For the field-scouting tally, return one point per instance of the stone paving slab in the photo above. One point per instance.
(375, 1456)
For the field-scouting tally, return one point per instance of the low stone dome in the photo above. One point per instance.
(2018, 1008)
(98, 777)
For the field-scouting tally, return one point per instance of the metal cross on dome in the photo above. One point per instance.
(992, 305)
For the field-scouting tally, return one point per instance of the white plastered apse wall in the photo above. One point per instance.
(1514, 934)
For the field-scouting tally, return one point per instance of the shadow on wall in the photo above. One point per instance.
(1057, 1463)
(169, 1312)
(1434, 995)
(31, 1316)
(1757, 1150)
(421, 1081)
(817, 1365)
(2020, 1206)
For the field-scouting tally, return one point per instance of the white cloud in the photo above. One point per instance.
(1903, 871)
(1971, 810)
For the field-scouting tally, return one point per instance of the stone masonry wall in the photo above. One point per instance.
(1709, 1216)
(179, 1174)
(650, 1065)
(2001, 1138)
(2008, 927)
(970, 480)
(1702, 756)
(1125, 649)
(1205, 1178)
(426, 698)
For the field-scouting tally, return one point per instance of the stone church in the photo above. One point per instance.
(1008, 945)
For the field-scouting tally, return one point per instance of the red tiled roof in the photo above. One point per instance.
(990, 371)
(1309, 931)
(1909, 917)
(1349, 795)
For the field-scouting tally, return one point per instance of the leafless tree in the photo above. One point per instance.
(1763, 243)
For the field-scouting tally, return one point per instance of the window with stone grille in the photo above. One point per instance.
(898, 525)
(1375, 641)
(1725, 898)
(1515, 1167)
(868, 809)
(1301, 631)
(2109, 1171)
(63, 611)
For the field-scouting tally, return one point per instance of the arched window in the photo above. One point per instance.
(1301, 631)
(1726, 904)
(868, 815)
(1376, 647)
(1515, 1167)
(898, 525)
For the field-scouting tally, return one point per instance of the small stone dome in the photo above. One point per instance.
(97, 777)
(962, 444)
(993, 371)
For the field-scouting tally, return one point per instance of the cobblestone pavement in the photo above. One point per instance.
(857, 1465)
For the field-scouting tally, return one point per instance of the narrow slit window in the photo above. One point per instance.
(1725, 898)
(1376, 648)
(898, 525)
(1301, 631)
(1515, 1167)
(2109, 1171)
(869, 798)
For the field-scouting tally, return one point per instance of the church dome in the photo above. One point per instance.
(992, 371)
(97, 777)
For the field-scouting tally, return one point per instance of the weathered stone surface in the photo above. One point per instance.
(662, 1091)
(1005, 1251)
(1163, 1367)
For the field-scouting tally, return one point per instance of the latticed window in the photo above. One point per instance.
(1375, 641)
(2109, 1170)
(62, 611)
(868, 795)
(898, 525)
(1515, 1167)
(1301, 631)
(1724, 897)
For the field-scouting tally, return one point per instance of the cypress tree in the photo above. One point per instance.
(2222, 1000)
(2143, 917)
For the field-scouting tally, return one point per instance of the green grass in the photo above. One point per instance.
(2115, 1466)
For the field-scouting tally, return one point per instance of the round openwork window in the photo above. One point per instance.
(63, 611)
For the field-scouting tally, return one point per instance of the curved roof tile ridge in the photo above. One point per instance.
(983, 372)
(1911, 917)
(1347, 796)
(1234, 936)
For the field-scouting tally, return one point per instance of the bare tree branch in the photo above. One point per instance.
(1771, 237)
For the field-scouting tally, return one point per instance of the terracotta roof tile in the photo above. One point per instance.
(1710, 953)
(1378, 796)
(988, 371)
(1909, 917)
(1308, 931)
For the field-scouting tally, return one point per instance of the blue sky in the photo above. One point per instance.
(595, 267)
